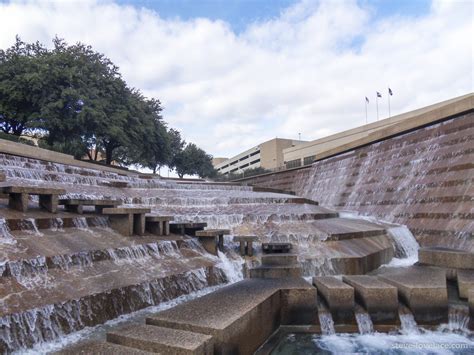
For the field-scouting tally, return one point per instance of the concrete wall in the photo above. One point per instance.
(423, 178)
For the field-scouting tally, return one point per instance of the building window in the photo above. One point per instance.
(255, 153)
(309, 160)
(255, 161)
(243, 158)
(293, 163)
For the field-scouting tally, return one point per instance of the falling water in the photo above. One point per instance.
(406, 246)
(325, 320)
(363, 321)
(407, 321)
(81, 223)
(458, 318)
(57, 224)
(5, 234)
(28, 225)
(232, 269)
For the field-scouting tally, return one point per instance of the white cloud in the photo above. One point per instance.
(306, 71)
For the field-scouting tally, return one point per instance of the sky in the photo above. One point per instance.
(233, 73)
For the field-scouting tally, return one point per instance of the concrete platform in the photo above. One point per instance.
(424, 291)
(240, 317)
(444, 257)
(276, 271)
(378, 298)
(338, 296)
(279, 259)
(465, 280)
(101, 348)
(162, 340)
(348, 228)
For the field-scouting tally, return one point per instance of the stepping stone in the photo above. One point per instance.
(279, 259)
(338, 296)
(276, 272)
(162, 340)
(465, 282)
(423, 290)
(76, 205)
(187, 228)
(269, 248)
(444, 257)
(212, 239)
(378, 298)
(18, 197)
(159, 225)
(127, 220)
(246, 243)
(101, 348)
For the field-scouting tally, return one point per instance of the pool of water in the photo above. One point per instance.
(422, 342)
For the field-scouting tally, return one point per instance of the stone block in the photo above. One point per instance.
(299, 306)
(279, 259)
(18, 201)
(423, 290)
(126, 210)
(122, 223)
(465, 282)
(448, 258)
(2, 176)
(157, 339)
(139, 223)
(276, 272)
(338, 296)
(187, 228)
(378, 298)
(101, 348)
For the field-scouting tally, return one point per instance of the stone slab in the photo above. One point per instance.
(279, 259)
(100, 348)
(444, 257)
(338, 295)
(423, 290)
(89, 202)
(33, 190)
(379, 298)
(212, 232)
(162, 340)
(276, 272)
(126, 210)
(2, 176)
(155, 218)
(240, 317)
(245, 238)
(348, 228)
(465, 282)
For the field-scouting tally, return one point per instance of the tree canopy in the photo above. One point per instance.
(76, 101)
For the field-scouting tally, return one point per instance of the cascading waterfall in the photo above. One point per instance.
(5, 234)
(364, 322)
(406, 246)
(29, 226)
(407, 321)
(325, 319)
(232, 269)
(81, 223)
(458, 318)
(57, 224)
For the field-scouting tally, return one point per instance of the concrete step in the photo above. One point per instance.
(338, 295)
(101, 348)
(379, 298)
(444, 257)
(162, 340)
(423, 290)
(465, 280)
(348, 228)
(279, 259)
(276, 272)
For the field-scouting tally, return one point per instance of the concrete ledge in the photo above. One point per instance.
(424, 291)
(465, 282)
(338, 296)
(101, 348)
(378, 298)
(444, 257)
(162, 340)
(276, 272)
(279, 259)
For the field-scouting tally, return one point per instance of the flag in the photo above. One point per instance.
(379, 94)
(390, 92)
(366, 99)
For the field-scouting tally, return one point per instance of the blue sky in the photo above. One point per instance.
(240, 13)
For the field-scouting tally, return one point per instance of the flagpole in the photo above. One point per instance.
(366, 111)
(377, 105)
(389, 115)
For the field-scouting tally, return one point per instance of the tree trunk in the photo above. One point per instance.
(108, 155)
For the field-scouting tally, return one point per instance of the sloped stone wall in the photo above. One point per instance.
(423, 179)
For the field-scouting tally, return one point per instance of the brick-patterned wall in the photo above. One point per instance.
(423, 179)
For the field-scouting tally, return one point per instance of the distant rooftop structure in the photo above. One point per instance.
(267, 155)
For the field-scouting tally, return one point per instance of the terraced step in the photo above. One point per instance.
(280, 259)
(445, 257)
(101, 348)
(348, 228)
(162, 340)
(276, 272)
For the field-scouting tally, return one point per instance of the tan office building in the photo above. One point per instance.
(267, 155)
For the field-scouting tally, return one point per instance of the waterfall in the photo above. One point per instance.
(363, 321)
(100, 222)
(29, 226)
(458, 319)
(407, 321)
(232, 269)
(81, 223)
(325, 320)
(57, 224)
(5, 234)
(406, 246)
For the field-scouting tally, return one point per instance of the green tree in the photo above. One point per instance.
(21, 86)
(192, 160)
